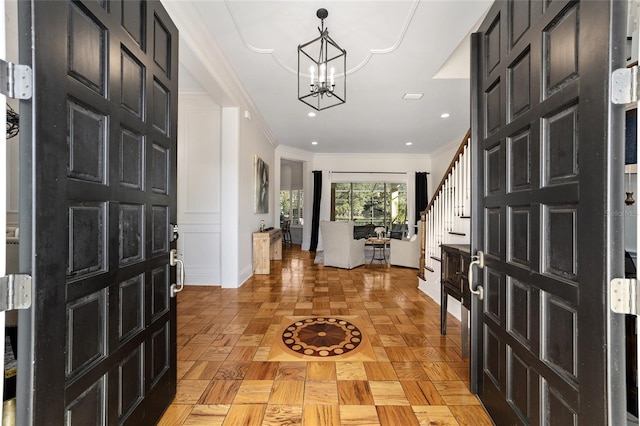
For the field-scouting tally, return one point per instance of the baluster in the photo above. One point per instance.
(460, 186)
(435, 224)
(445, 209)
(441, 220)
(451, 201)
(468, 183)
(454, 191)
(464, 180)
(423, 245)
(436, 228)
(433, 234)
(449, 204)
(438, 221)
(448, 211)
(462, 160)
(429, 236)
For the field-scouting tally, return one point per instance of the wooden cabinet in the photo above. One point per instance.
(267, 246)
(454, 282)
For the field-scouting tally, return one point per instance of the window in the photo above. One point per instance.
(381, 203)
(291, 203)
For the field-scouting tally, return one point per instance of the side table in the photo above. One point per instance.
(380, 247)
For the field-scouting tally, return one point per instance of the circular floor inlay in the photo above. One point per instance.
(322, 337)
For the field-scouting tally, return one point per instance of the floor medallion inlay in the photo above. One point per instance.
(322, 337)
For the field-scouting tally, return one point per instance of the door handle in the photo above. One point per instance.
(174, 261)
(476, 260)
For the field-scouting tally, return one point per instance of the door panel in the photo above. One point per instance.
(102, 173)
(545, 162)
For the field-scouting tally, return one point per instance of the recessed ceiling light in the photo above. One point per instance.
(413, 96)
(444, 115)
(314, 143)
(408, 143)
(312, 114)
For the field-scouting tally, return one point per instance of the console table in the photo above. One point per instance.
(455, 264)
(267, 246)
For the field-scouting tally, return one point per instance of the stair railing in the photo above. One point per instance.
(451, 200)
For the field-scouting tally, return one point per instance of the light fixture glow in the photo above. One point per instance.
(444, 115)
(409, 143)
(311, 114)
(325, 85)
(412, 96)
(314, 143)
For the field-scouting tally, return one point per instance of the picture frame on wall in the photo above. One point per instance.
(261, 186)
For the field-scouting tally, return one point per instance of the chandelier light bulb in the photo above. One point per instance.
(319, 56)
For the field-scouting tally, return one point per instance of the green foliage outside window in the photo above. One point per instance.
(291, 206)
(381, 203)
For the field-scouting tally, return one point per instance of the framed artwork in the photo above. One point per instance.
(261, 186)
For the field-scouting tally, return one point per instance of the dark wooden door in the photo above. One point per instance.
(547, 168)
(98, 182)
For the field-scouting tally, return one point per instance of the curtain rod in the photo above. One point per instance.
(371, 173)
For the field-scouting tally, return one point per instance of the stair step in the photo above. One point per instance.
(436, 258)
(429, 269)
(462, 234)
(464, 217)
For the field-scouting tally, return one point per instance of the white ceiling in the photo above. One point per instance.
(393, 47)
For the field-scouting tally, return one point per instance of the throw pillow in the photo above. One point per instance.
(413, 237)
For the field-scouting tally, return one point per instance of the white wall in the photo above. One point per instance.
(229, 196)
(199, 218)
(379, 163)
(253, 141)
(440, 160)
(243, 134)
(290, 175)
(372, 162)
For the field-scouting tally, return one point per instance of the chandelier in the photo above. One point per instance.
(322, 78)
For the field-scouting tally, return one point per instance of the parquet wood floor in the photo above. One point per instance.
(226, 336)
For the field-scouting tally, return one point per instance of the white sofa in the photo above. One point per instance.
(340, 249)
(406, 252)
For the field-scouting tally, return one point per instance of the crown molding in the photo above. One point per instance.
(454, 144)
(289, 152)
(374, 156)
(193, 32)
(365, 61)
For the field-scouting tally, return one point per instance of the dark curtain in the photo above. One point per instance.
(315, 219)
(422, 198)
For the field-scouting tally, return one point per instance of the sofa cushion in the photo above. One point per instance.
(363, 231)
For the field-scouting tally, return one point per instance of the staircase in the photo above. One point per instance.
(446, 220)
